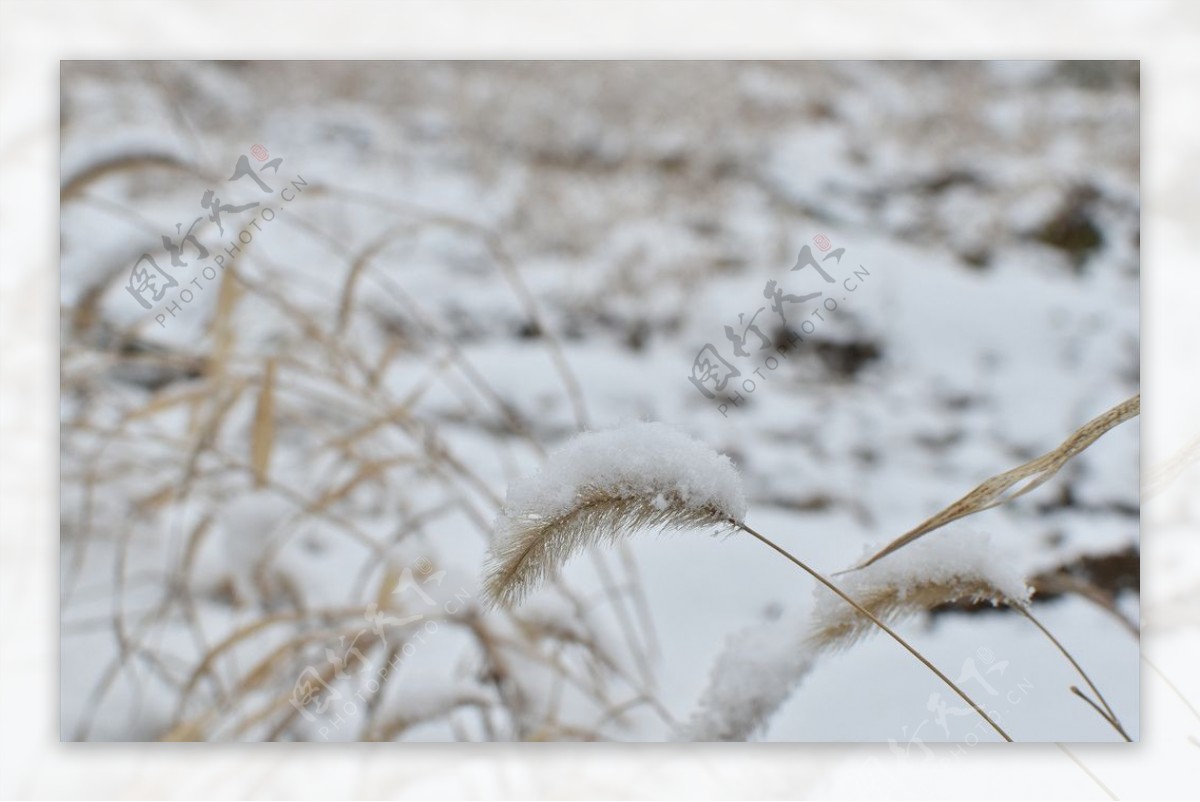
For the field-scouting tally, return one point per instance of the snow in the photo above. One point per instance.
(750, 680)
(637, 220)
(947, 565)
(953, 558)
(760, 667)
(646, 460)
(603, 487)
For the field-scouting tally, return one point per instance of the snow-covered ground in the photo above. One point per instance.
(287, 472)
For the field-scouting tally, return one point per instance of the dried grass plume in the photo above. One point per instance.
(945, 567)
(600, 487)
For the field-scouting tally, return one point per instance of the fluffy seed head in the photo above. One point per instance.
(943, 567)
(602, 486)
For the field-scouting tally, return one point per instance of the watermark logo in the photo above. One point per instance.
(982, 671)
(150, 282)
(754, 353)
(320, 694)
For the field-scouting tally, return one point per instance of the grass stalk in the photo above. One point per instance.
(1107, 713)
(877, 622)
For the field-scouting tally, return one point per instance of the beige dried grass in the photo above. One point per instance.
(842, 626)
(993, 492)
(531, 547)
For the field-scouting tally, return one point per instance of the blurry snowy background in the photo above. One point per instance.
(278, 489)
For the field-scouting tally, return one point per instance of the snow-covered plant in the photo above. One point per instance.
(754, 675)
(602, 486)
(760, 667)
(945, 567)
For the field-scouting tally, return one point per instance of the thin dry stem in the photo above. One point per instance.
(1109, 715)
(875, 620)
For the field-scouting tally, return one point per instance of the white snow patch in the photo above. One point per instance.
(638, 460)
(947, 557)
(750, 680)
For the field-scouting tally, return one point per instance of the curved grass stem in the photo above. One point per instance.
(875, 620)
(1107, 713)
